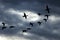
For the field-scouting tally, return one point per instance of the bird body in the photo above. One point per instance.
(39, 23)
(24, 30)
(47, 16)
(4, 28)
(28, 28)
(39, 14)
(45, 20)
(47, 9)
(25, 16)
(11, 27)
(31, 24)
(3, 24)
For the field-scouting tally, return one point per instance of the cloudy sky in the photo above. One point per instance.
(11, 12)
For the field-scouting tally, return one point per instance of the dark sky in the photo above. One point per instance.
(11, 12)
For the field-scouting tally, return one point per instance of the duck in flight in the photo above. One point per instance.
(39, 23)
(47, 16)
(47, 9)
(24, 30)
(11, 27)
(45, 20)
(25, 15)
(4, 28)
(39, 14)
(3, 24)
(28, 28)
(31, 24)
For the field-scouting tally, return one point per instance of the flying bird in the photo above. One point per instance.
(25, 15)
(24, 30)
(47, 16)
(28, 28)
(45, 20)
(31, 24)
(47, 9)
(39, 14)
(11, 27)
(3, 23)
(39, 23)
(4, 28)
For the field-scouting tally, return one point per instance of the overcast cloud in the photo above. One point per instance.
(11, 12)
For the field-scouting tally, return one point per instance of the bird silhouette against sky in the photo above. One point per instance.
(28, 28)
(25, 15)
(45, 20)
(3, 23)
(24, 30)
(31, 23)
(39, 14)
(39, 22)
(47, 9)
(4, 28)
(47, 16)
(11, 27)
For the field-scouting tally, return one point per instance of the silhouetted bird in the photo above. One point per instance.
(4, 28)
(3, 24)
(47, 9)
(28, 28)
(39, 23)
(11, 27)
(31, 24)
(25, 16)
(39, 14)
(24, 30)
(47, 16)
(45, 20)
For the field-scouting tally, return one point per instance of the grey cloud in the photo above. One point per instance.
(35, 6)
(54, 2)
